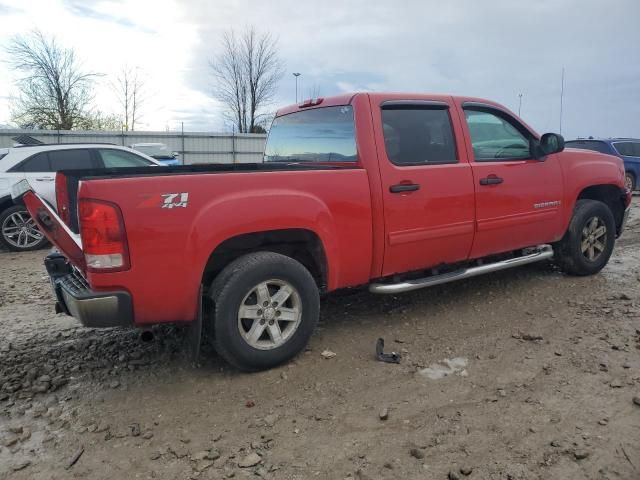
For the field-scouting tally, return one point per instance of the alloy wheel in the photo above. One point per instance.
(594, 239)
(269, 314)
(20, 230)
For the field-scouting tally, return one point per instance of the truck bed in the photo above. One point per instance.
(72, 178)
(334, 201)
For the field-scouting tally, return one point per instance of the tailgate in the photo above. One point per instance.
(49, 223)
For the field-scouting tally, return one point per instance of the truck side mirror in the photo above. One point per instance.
(551, 143)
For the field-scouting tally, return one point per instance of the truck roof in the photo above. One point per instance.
(347, 98)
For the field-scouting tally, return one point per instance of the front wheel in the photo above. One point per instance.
(18, 231)
(266, 308)
(588, 243)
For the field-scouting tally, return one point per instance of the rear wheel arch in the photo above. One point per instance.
(302, 245)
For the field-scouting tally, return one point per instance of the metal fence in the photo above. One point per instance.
(193, 147)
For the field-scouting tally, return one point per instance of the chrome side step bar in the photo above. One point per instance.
(542, 252)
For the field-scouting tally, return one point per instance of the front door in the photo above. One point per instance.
(518, 197)
(427, 184)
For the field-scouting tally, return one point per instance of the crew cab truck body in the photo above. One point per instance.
(398, 191)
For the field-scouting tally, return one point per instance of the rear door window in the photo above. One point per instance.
(624, 148)
(112, 158)
(37, 163)
(75, 159)
(318, 135)
(418, 135)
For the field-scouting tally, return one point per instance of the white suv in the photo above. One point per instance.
(38, 165)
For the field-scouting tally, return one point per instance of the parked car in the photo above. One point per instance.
(158, 151)
(628, 149)
(38, 165)
(396, 191)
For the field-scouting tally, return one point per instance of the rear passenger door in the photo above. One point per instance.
(37, 170)
(427, 185)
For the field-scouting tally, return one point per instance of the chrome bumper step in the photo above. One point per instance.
(541, 252)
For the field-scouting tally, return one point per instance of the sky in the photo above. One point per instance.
(496, 49)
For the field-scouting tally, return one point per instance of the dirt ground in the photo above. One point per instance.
(545, 369)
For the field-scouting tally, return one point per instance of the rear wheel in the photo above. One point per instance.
(266, 308)
(18, 231)
(588, 243)
(630, 181)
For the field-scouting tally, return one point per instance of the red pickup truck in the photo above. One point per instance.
(397, 191)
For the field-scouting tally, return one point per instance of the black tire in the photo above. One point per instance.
(10, 243)
(569, 254)
(630, 181)
(230, 290)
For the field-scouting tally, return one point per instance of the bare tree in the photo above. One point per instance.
(129, 88)
(247, 71)
(97, 120)
(55, 91)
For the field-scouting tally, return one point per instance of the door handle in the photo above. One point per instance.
(491, 180)
(404, 187)
(44, 179)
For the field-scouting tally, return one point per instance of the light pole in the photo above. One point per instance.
(519, 103)
(296, 74)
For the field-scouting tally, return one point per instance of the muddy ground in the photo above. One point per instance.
(552, 367)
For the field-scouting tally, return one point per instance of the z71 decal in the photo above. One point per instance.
(173, 200)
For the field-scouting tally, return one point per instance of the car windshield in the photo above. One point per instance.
(159, 150)
(318, 135)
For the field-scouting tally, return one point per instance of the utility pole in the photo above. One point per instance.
(561, 98)
(519, 103)
(296, 74)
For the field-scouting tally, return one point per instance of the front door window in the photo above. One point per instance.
(494, 138)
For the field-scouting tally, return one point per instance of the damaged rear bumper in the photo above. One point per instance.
(76, 298)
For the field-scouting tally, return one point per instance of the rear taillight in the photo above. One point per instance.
(62, 198)
(104, 240)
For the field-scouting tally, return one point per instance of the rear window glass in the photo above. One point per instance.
(601, 147)
(418, 135)
(318, 135)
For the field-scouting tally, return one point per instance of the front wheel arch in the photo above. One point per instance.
(570, 252)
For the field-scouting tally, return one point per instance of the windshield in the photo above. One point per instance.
(159, 150)
(318, 135)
